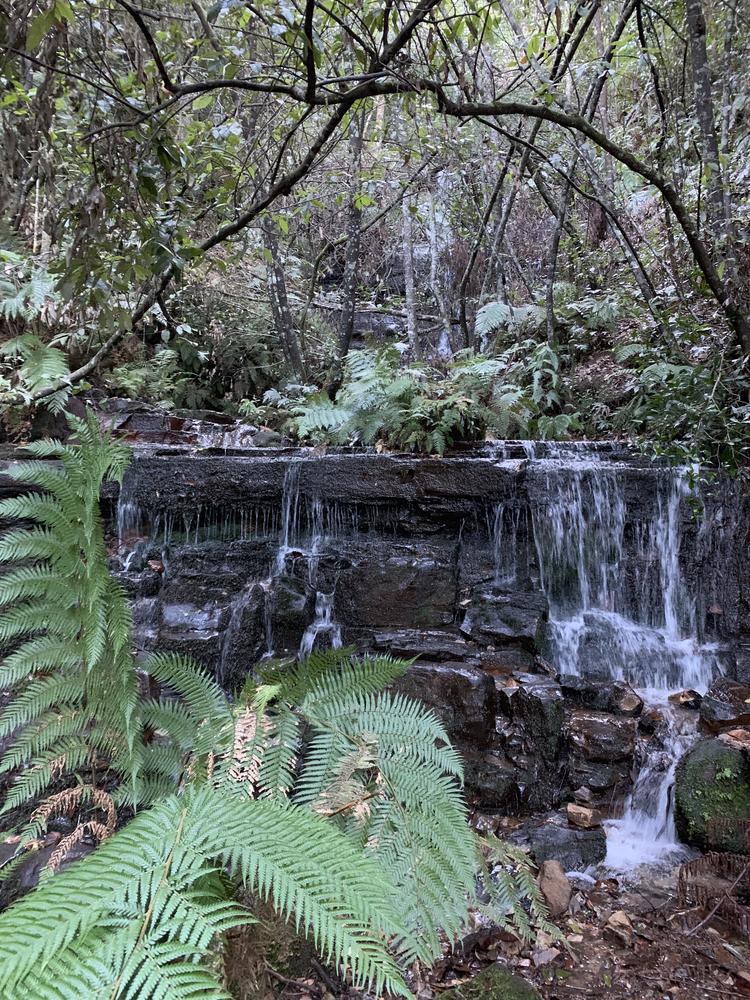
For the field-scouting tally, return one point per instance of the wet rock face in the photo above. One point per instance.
(712, 797)
(226, 557)
(554, 840)
(726, 705)
(500, 616)
(602, 748)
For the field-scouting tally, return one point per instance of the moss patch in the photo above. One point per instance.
(713, 782)
(494, 983)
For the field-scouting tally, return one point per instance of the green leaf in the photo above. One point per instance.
(39, 27)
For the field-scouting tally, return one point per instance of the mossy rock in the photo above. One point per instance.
(495, 983)
(712, 783)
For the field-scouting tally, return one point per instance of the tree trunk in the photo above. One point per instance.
(438, 293)
(353, 240)
(276, 284)
(411, 308)
(554, 251)
(718, 215)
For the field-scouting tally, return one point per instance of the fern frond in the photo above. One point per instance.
(139, 908)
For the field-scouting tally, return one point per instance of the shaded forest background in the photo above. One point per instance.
(404, 224)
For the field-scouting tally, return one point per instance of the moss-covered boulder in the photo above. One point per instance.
(713, 783)
(494, 983)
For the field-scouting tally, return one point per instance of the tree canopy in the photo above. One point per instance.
(290, 154)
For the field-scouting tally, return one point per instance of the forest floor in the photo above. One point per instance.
(621, 941)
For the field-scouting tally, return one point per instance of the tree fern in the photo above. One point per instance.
(132, 919)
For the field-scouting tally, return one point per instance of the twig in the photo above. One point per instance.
(297, 983)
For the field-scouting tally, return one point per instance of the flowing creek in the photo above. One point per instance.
(278, 555)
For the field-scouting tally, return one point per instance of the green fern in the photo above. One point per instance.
(74, 689)
(133, 919)
(387, 865)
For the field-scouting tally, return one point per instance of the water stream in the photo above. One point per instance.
(303, 532)
(621, 609)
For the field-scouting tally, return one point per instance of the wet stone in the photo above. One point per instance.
(431, 644)
(554, 840)
(500, 616)
(726, 705)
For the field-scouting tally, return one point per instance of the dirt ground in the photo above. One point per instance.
(633, 941)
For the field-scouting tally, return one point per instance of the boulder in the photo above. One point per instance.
(493, 983)
(555, 887)
(726, 705)
(602, 748)
(575, 849)
(618, 696)
(500, 616)
(619, 928)
(738, 739)
(600, 736)
(712, 796)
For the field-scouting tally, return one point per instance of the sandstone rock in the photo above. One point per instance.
(583, 795)
(583, 817)
(650, 720)
(615, 696)
(686, 699)
(430, 644)
(266, 439)
(602, 748)
(536, 702)
(737, 739)
(575, 849)
(712, 783)
(543, 956)
(619, 928)
(494, 983)
(463, 697)
(626, 701)
(555, 887)
(726, 705)
(599, 736)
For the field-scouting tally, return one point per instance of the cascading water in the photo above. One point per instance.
(620, 609)
(294, 539)
(323, 624)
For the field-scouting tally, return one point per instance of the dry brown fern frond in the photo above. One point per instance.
(247, 750)
(95, 831)
(67, 803)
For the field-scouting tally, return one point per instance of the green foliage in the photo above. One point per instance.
(511, 394)
(501, 318)
(220, 353)
(335, 800)
(134, 919)
(32, 365)
(74, 691)
(687, 411)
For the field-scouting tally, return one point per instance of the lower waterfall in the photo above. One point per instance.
(622, 609)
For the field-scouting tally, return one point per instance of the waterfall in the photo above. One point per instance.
(323, 624)
(304, 531)
(620, 609)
